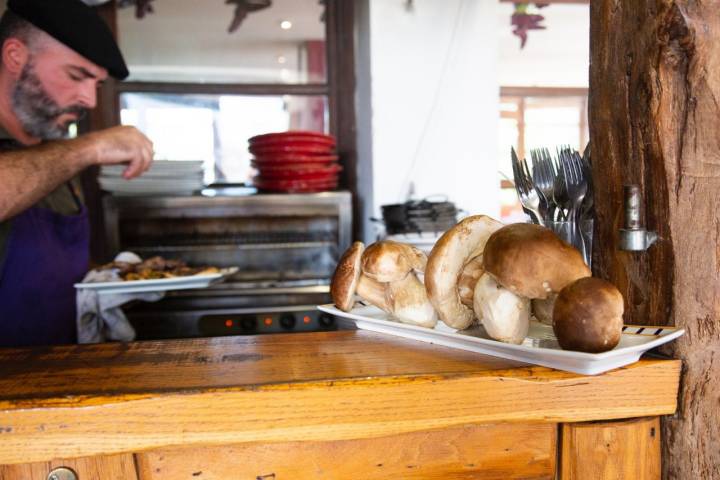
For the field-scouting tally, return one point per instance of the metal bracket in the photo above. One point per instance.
(634, 238)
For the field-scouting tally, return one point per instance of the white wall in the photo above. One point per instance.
(558, 56)
(435, 101)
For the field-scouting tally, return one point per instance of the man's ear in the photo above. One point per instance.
(15, 55)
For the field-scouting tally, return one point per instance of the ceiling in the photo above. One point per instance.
(181, 36)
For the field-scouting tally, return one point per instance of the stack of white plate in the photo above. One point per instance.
(165, 177)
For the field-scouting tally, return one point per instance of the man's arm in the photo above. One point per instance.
(30, 174)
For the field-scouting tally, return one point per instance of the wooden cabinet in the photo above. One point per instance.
(615, 450)
(335, 405)
(487, 452)
(111, 467)
(611, 450)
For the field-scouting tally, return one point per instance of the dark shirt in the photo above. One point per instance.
(60, 201)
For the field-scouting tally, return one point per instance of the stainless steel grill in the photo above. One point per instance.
(285, 246)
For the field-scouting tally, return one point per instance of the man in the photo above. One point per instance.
(53, 56)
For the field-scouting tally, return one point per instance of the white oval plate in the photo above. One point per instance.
(158, 285)
(540, 347)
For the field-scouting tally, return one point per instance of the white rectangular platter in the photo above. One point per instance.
(539, 348)
(158, 285)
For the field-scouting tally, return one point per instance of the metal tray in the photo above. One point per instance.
(539, 348)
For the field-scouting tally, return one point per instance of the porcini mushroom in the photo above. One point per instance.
(393, 264)
(471, 273)
(588, 316)
(409, 303)
(348, 281)
(505, 316)
(389, 261)
(531, 261)
(455, 251)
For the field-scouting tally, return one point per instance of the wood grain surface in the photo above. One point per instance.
(113, 467)
(654, 121)
(619, 450)
(86, 400)
(482, 452)
(76, 374)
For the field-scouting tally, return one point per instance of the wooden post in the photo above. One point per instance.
(655, 121)
(105, 115)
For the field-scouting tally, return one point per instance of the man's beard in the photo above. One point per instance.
(36, 111)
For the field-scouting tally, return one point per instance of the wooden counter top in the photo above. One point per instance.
(111, 398)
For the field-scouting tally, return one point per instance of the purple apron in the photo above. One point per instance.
(46, 254)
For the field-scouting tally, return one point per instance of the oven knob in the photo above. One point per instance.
(287, 321)
(248, 323)
(326, 320)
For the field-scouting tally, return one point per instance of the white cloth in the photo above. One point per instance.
(99, 316)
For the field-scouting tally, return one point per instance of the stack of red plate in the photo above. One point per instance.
(295, 162)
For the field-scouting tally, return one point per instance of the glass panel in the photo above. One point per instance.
(215, 128)
(508, 137)
(548, 122)
(552, 122)
(183, 41)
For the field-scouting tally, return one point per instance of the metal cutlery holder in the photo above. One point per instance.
(634, 238)
(559, 194)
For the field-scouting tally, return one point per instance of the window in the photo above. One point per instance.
(200, 92)
(215, 128)
(533, 118)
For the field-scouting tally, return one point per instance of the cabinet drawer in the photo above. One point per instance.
(110, 467)
(498, 452)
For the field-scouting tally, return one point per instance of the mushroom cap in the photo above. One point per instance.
(455, 249)
(468, 278)
(389, 261)
(532, 261)
(588, 316)
(345, 279)
(505, 316)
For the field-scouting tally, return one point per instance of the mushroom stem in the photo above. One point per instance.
(505, 316)
(409, 302)
(372, 291)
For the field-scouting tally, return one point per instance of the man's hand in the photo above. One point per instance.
(118, 145)
(31, 173)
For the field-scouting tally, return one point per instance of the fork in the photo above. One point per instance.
(560, 196)
(543, 175)
(576, 187)
(527, 194)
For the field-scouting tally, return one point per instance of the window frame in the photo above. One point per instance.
(339, 88)
(522, 93)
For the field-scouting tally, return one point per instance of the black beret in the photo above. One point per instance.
(76, 25)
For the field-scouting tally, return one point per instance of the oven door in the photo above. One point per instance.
(226, 310)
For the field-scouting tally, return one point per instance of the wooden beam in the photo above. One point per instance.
(105, 115)
(222, 88)
(551, 2)
(543, 92)
(340, 20)
(654, 118)
(84, 400)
